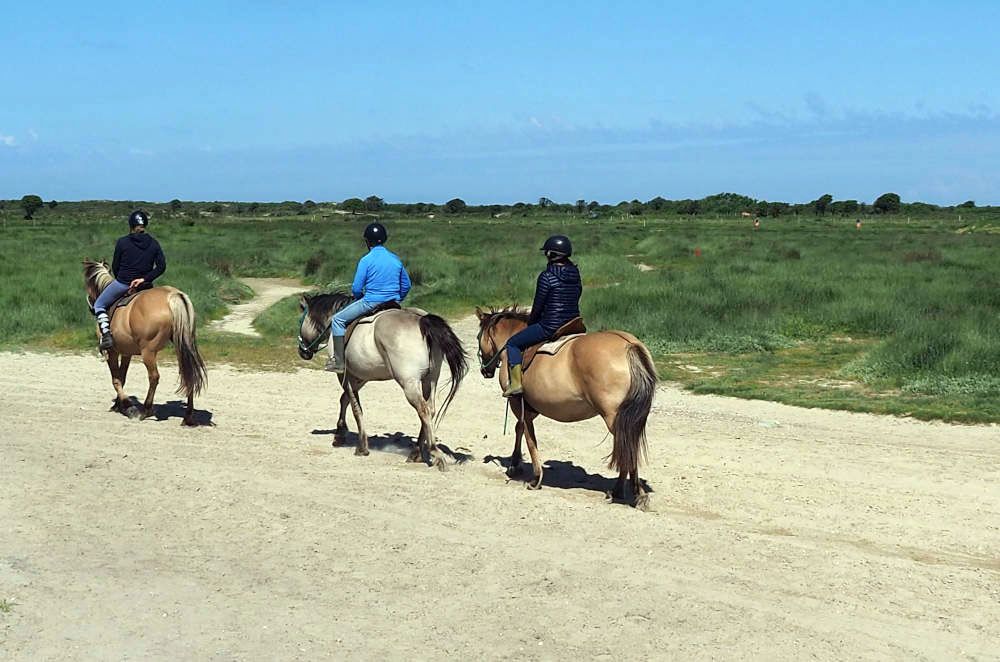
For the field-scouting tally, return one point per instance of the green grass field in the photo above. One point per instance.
(898, 317)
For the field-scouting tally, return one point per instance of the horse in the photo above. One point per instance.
(143, 327)
(407, 345)
(608, 374)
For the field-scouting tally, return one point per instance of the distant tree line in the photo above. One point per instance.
(721, 204)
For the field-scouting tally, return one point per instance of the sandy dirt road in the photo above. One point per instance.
(778, 533)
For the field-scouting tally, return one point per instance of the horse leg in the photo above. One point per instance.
(531, 440)
(514, 468)
(149, 360)
(417, 396)
(118, 380)
(340, 434)
(641, 498)
(351, 388)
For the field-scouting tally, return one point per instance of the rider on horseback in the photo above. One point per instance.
(137, 263)
(557, 301)
(380, 278)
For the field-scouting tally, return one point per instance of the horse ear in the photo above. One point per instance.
(480, 314)
(302, 303)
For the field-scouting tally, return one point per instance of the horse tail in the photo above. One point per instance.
(630, 421)
(192, 366)
(439, 336)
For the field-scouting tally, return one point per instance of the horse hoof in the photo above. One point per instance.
(441, 464)
(338, 441)
(642, 503)
(188, 423)
(413, 457)
(514, 470)
(361, 451)
(534, 484)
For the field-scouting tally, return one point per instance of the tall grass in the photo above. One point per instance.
(929, 293)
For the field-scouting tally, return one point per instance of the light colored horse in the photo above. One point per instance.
(608, 374)
(406, 345)
(143, 327)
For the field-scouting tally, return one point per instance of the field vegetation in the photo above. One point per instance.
(901, 316)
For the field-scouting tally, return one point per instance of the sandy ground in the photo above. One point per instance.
(777, 532)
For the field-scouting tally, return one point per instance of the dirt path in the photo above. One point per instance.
(778, 533)
(267, 292)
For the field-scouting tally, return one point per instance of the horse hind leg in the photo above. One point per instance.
(419, 394)
(149, 360)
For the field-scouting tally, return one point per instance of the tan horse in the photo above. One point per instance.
(608, 374)
(143, 327)
(408, 346)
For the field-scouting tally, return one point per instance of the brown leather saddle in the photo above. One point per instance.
(562, 336)
(127, 299)
(369, 317)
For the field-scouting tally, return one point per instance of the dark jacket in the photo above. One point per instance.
(138, 255)
(557, 296)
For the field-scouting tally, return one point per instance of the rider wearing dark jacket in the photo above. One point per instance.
(557, 301)
(137, 263)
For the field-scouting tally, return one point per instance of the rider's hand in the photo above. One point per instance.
(136, 282)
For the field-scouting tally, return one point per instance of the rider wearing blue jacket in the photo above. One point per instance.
(137, 263)
(379, 278)
(557, 301)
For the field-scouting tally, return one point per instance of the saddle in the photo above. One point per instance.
(566, 333)
(368, 318)
(126, 300)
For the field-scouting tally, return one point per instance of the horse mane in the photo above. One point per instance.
(495, 315)
(96, 276)
(323, 306)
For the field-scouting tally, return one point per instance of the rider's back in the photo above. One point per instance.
(138, 255)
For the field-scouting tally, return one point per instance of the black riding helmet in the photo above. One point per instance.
(138, 218)
(559, 244)
(375, 234)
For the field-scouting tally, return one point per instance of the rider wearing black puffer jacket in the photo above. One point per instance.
(557, 301)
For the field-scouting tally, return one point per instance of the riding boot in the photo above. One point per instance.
(104, 324)
(514, 387)
(336, 363)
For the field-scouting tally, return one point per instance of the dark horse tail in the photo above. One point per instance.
(630, 422)
(191, 364)
(439, 336)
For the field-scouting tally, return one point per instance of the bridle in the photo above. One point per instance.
(317, 343)
(487, 367)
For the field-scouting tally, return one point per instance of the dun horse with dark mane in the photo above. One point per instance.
(143, 327)
(608, 374)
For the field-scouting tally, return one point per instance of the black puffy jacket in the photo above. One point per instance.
(557, 296)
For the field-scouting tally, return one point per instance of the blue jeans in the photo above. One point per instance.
(347, 314)
(524, 339)
(111, 293)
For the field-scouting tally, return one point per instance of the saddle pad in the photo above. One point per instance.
(550, 348)
(367, 319)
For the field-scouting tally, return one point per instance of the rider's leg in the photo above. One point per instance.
(532, 335)
(108, 296)
(338, 327)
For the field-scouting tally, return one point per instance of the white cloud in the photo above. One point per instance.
(7, 140)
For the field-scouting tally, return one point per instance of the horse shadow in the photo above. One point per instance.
(177, 408)
(561, 475)
(397, 443)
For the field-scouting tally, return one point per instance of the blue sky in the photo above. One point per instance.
(289, 100)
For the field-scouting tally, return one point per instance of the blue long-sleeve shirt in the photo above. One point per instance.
(380, 277)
